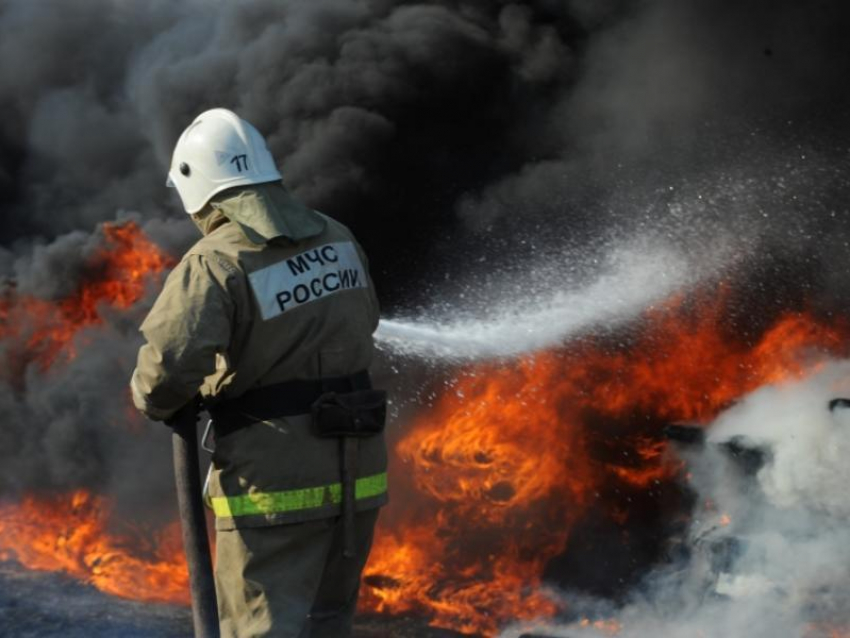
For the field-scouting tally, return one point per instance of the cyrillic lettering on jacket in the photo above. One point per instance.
(307, 277)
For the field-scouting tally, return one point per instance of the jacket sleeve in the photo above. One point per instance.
(188, 325)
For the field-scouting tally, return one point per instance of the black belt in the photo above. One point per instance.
(289, 398)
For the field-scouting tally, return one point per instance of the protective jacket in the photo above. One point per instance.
(274, 292)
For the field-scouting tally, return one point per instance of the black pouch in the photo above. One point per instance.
(353, 414)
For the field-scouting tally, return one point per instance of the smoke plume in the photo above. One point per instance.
(461, 140)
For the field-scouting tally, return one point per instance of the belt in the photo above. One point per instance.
(289, 398)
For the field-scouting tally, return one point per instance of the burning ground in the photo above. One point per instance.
(588, 221)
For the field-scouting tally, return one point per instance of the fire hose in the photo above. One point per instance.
(193, 521)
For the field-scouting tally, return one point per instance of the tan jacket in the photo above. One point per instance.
(274, 292)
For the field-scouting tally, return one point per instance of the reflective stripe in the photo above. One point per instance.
(294, 500)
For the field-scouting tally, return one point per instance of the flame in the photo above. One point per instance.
(609, 627)
(117, 276)
(652, 467)
(826, 630)
(70, 534)
(488, 484)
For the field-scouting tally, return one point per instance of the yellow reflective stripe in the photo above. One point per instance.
(295, 500)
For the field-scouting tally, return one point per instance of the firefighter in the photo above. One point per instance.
(269, 319)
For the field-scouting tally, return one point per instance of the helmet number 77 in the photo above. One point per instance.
(241, 162)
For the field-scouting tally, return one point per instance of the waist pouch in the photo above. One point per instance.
(358, 414)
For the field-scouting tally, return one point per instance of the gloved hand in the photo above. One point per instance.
(187, 416)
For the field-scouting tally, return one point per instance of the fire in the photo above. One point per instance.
(826, 630)
(488, 484)
(652, 467)
(608, 627)
(41, 331)
(70, 534)
(493, 474)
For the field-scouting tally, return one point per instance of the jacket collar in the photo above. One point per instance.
(266, 212)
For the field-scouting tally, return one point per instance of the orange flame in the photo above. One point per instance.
(70, 534)
(826, 630)
(608, 627)
(42, 330)
(488, 484)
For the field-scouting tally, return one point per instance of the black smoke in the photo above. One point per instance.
(420, 124)
(441, 132)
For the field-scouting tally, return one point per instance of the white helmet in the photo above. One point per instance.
(219, 150)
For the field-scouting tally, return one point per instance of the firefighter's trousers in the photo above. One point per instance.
(290, 581)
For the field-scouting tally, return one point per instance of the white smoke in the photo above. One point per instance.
(768, 550)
